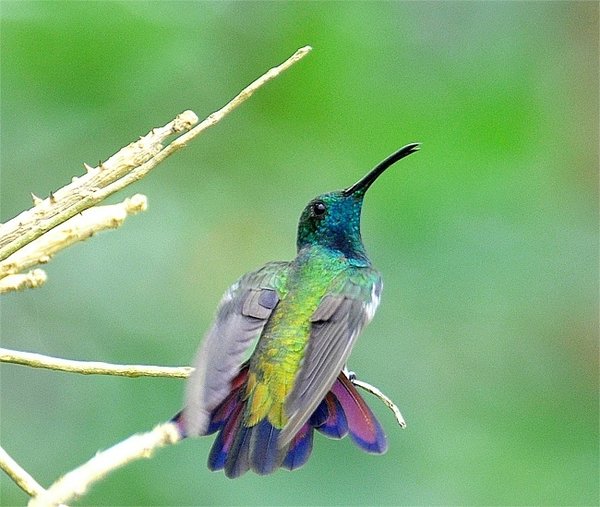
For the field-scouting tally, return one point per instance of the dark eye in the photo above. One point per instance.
(319, 209)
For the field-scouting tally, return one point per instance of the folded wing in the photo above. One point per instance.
(335, 325)
(241, 317)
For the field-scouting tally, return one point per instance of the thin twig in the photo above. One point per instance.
(77, 482)
(19, 475)
(211, 120)
(91, 367)
(387, 401)
(136, 370)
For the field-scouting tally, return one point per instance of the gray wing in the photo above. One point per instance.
(335, 325)
(241, 317)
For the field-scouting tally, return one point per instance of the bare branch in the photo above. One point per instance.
(125, 167)
(30, 280)
(19, 475)
(77, 228)
(211, 120)
(77, 482)
(136, 370)
(91, 367)
(85, 191)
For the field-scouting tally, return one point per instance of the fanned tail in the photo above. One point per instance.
(239, 448)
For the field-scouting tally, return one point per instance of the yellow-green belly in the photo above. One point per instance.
(276, 361)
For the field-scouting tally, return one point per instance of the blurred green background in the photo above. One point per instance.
(487, 335)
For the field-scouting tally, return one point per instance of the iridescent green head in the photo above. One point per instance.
(332, 220)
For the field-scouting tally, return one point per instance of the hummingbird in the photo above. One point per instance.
(306, 314)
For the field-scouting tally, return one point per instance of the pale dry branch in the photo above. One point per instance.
(31, 280)
(135, 370)
(91, 367)
(245, 94)
(127, 166)
(87, 190)
(77, 228)
(19, 475)
(77, 482)
(211, 120)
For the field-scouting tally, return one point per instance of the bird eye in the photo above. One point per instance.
(319, 209)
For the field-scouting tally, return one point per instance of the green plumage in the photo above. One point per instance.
(280, 351)
(306, 314)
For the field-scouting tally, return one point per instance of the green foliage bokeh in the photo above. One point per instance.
(487, 336)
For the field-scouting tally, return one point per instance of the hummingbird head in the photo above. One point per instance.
(332, 220)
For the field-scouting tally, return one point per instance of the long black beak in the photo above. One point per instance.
(363, 184)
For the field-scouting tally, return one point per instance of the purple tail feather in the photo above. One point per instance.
(238, 448)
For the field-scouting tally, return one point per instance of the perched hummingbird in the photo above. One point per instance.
(306, 314)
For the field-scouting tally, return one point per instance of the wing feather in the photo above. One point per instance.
(336, 323)
(241, 317)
